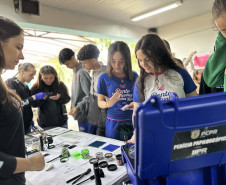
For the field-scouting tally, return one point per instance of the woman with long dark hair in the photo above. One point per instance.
(159, 72)
(52, 110)
(12, 147)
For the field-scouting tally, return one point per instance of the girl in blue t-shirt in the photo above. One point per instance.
(115, 88)
(159, 72)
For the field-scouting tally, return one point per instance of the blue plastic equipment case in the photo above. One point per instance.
(179, 142)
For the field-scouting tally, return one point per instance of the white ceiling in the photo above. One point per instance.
(41, 46)
(44, 46)
(122, 10)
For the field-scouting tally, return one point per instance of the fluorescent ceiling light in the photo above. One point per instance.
(157, 11)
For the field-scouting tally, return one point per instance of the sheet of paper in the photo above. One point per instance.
(71, 136)
(63, 173)
(74, 166)
(57, 131)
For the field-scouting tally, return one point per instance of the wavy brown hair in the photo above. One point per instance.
(8, 99)
(45, 70)
(154, 48)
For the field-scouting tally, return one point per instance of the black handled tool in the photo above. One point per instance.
(82, 175)
(90, 178)
(70, 180)
(93, 177)
(54, 159)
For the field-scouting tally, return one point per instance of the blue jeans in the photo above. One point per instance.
(83, 126)
(92, 129)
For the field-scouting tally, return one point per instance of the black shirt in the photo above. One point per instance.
(12, 144)
(23, 91)
(204, 89)
(51, 112)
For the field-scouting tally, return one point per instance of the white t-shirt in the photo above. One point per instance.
(172, 80)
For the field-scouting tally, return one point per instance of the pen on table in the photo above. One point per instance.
(54, 158)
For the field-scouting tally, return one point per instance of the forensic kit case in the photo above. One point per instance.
(179, 141)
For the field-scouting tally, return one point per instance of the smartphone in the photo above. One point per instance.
(51, 94)
(124, 108)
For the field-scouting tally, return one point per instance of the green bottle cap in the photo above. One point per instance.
(85, 154)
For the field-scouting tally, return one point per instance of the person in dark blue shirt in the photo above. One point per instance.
(115, 88)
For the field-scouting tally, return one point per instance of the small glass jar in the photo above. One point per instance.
(36, 144)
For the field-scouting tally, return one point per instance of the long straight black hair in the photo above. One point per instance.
(123, 48)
